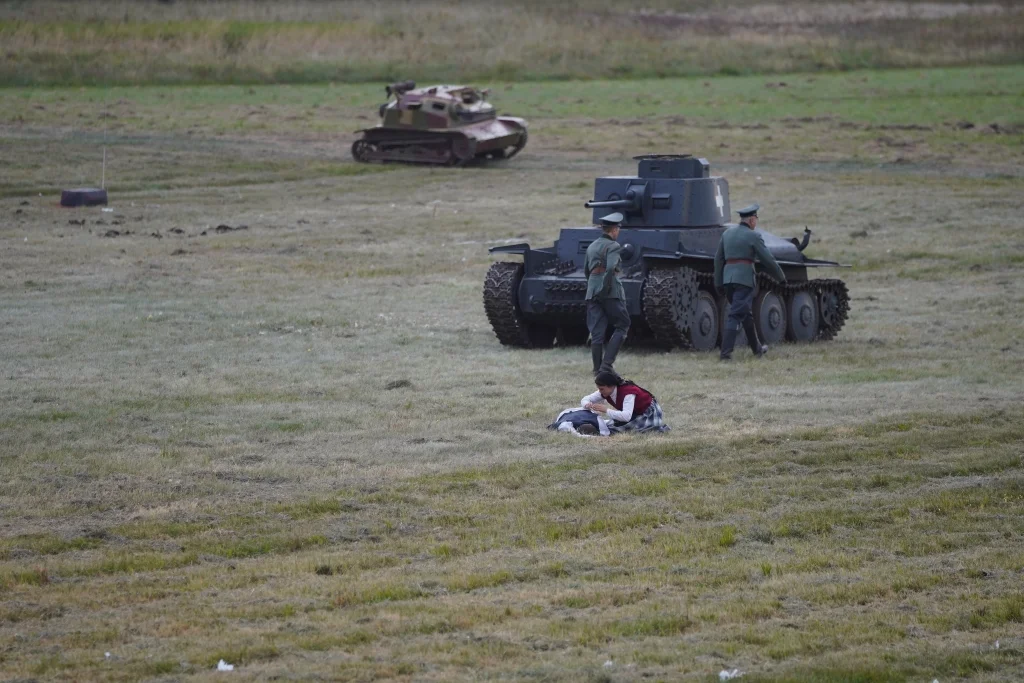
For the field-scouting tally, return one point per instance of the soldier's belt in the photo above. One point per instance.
(599, 270)
(736, 261)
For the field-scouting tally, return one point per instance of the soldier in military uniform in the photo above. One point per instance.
(734, 274)
(606, 300)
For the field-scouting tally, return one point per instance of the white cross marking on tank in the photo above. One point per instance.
(719, 201)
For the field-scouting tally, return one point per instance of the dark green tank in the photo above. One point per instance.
(675, 213)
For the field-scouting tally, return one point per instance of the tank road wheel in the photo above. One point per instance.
(770, 317)
(803, 317)
(501, 303)
(361, 150)
(705, 330)
(669, 303)
(462, 151)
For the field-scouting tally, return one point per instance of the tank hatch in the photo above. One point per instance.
(672, 166)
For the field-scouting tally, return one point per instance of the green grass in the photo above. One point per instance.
(154, 133)
(60, 43)
(46, 544)
(907, 97)
(299, 447)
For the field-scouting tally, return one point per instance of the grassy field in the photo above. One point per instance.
(298, 446)
(52, 42)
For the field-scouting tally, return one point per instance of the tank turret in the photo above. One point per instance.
(674, 213)
(669, 191)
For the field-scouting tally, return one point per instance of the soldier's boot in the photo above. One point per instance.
(597, 355)
(756, 346)
(611, 351)
(729, 335)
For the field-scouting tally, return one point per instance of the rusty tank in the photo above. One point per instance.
(675, 212)
(447, 125)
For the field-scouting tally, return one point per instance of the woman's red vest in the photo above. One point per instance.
(641, 402)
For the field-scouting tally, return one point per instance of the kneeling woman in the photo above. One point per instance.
(629, 407)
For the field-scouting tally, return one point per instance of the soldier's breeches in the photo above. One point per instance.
(741, 301)
(604, 312)
(600, 314)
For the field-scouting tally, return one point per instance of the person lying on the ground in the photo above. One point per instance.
(630, 408)
(581, 422)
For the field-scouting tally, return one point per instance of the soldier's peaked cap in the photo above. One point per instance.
(611, 219)
(748, 211)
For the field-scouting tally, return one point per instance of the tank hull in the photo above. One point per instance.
(672, 215)
(669, 287)
(500, 138)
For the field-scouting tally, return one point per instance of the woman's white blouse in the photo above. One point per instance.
(624, 415)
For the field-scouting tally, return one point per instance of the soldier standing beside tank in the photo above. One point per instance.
(734, 273)
(606, 300)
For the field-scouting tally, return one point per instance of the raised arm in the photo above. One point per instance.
(626, 414)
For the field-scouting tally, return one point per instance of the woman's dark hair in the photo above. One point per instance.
(608, 378)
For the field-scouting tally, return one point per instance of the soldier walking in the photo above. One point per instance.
(606, 300)
(734, 273)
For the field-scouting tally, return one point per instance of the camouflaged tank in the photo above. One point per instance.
(443, 124)
(674, 212)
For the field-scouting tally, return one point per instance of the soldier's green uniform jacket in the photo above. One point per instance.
(603, 253)
(740, 242)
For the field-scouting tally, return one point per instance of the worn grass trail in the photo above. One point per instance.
(298, 447)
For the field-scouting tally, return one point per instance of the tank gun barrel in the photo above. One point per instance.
(400, 88)
(611, 204)
(631, 203)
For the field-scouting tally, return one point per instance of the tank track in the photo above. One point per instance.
(669, 304)
(436, 149)
(500, 304)
(832, 316)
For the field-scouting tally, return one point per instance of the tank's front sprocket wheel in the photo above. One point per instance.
(834, 303)
(669, 303)
(501, 303)
(361, 150)
(520, 143)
